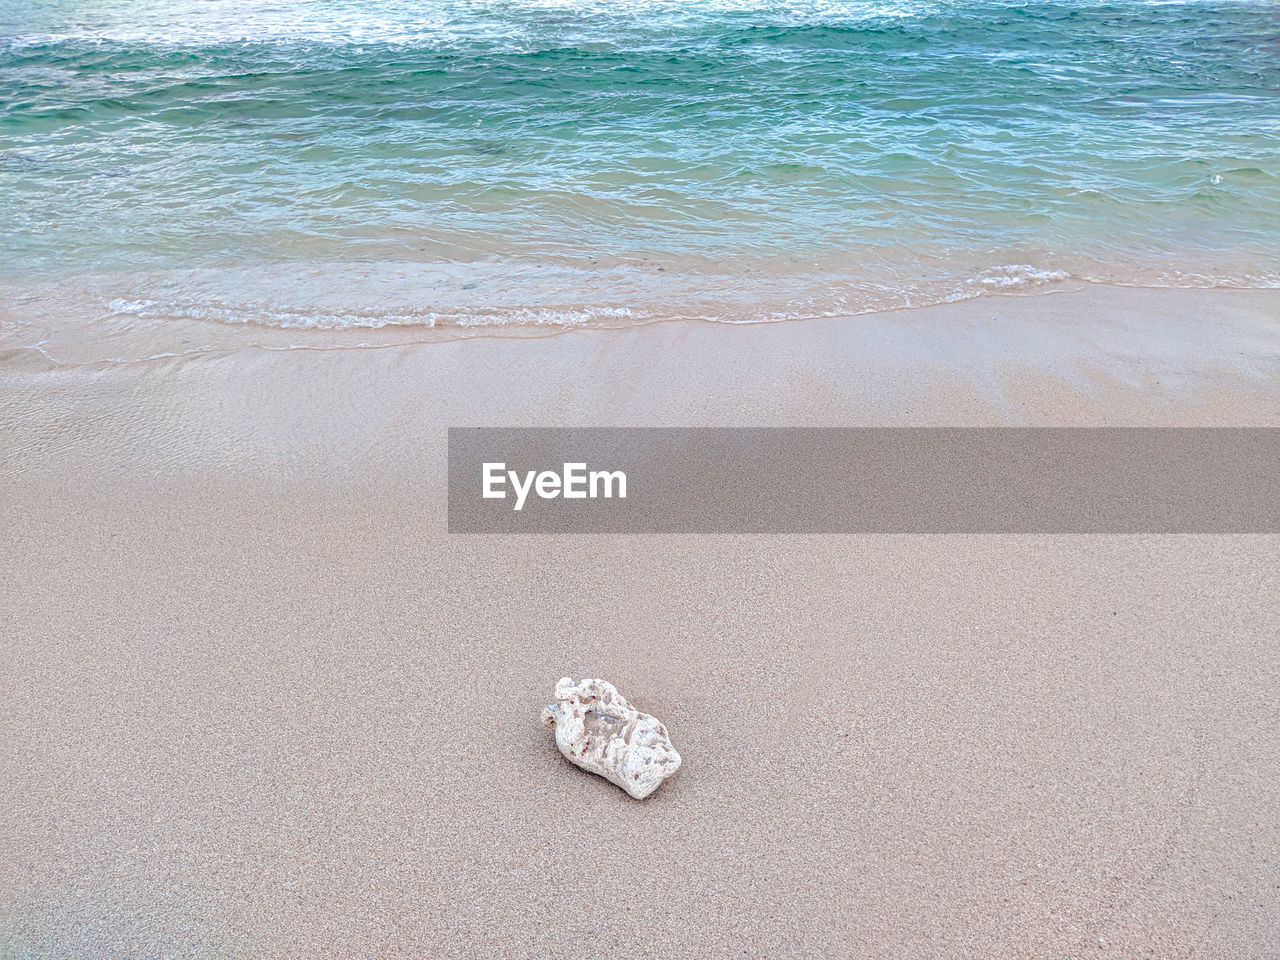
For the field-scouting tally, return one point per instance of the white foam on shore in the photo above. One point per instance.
(298, 319)
(537, 294)
(323, 305)
(512, 295)
(1017, 276)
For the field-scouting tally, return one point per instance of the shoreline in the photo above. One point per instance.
(81, 329)
(371, 423)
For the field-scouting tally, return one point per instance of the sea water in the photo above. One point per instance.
(530, 163)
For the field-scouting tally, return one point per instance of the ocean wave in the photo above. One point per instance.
(511, 297)
(311, 319)
(160, 137)
(1015, 277)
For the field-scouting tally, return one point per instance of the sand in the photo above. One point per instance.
(256, 702)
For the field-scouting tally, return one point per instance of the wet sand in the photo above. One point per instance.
(257, 702)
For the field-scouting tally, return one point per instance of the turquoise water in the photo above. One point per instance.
(347, 163)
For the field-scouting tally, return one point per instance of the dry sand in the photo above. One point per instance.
(256, 702)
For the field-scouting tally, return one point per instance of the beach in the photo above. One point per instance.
(259, 262)
(257, 701)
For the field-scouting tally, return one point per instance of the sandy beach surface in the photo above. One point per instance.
(256, 701)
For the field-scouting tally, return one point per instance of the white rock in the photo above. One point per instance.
(597, 730)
